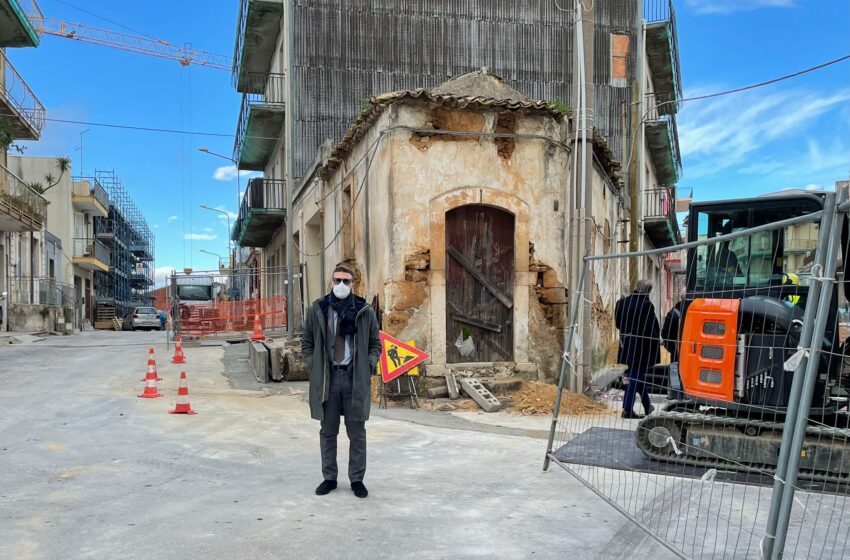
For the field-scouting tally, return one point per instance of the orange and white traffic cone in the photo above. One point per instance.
(150, 392)
(258, 330)
(151, 368)
(183, 406)
(179, 358)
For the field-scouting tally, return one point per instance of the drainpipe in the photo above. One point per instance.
(289, 123)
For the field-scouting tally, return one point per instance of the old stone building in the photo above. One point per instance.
(452, 204)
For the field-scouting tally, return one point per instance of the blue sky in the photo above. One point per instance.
(791, 134)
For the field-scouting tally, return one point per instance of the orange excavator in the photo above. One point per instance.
(738, 339)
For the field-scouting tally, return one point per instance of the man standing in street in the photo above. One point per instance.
(341, 347)
(634, 316)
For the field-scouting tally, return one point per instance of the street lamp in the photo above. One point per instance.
(206, 150)
(226, 215)
(213, 254)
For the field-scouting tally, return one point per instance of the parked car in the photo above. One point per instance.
(142, 318)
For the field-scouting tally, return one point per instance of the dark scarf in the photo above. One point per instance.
(346, 311)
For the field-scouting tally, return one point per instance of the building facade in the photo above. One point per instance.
(452, 206)
(23, 211)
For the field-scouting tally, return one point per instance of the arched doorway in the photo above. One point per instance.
(480, 283)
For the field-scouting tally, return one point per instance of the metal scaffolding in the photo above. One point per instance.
(125, 231)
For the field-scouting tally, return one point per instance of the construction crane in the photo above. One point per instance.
(133, 43)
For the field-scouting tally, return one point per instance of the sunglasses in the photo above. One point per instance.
(345, 281)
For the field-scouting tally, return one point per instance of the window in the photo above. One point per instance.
(770, 258)
(619, 59)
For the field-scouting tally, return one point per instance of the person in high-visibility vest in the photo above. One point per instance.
(791, 279)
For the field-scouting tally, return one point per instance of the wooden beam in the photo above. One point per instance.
(470, 268)
(480, 323)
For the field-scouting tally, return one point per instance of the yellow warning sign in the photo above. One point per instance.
(398, 357)
(413, 372)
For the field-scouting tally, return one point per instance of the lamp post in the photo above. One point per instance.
(226, 215)
(213, 254)
(206, 150)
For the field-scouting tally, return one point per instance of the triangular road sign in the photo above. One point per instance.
(398, 357)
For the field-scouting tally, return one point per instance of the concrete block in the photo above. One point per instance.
(451, 384)
(258, 357)
(437, 392)
(480, 394)
(502, 385)
(275, 349)
(293, 367)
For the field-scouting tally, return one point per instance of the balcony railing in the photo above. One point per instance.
(32, 11)
(20, 196)
(659, 203)
(273, 90)
(656, 107)
(95, 189)
(87, 247)
(242, 21)
(659, 11)
(40, 291)
(20, 97)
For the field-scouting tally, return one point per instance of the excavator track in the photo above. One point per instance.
(664, 436)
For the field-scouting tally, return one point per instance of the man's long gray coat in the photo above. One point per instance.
(367, 350)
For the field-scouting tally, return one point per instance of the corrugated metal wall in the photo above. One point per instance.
(348, 50)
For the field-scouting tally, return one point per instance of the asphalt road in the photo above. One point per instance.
(88, 470)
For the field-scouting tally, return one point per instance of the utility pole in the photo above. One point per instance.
(636, 149)
(289, 179)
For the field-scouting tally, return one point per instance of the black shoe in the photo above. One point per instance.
(650, 410)
(631, 415)
(325, 487)
(359, 489)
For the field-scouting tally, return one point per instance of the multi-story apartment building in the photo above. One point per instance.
(345, 52)
(23, 211)
(70, 254)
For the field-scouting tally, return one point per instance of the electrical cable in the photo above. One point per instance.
(113, 22)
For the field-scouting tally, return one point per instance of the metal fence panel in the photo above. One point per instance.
(711, 376)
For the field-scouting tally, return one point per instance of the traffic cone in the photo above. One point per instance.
(182, 406)
(150, 392)
(151, 368)
(258, 330)
(179, 358)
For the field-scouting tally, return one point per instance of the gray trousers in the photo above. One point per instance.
(339, 399)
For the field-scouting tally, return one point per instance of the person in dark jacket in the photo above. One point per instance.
(671, 332)
(634, 317)
(341, 348)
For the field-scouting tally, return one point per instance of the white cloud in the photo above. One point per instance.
(200, 236)
(230, 215)
(729, 6)
(228, 173)
(731, 131)
(161, 275)
(173, 218)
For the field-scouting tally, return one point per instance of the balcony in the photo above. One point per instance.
(21, 208)
(659, 217)
(258, 25)
(662, 140)
(91, 254)
(260, 215)
(260, 122)
(89, 196)
(18, 104)
(662, 50)
(19, 21)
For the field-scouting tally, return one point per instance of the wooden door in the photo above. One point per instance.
(480, 283)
